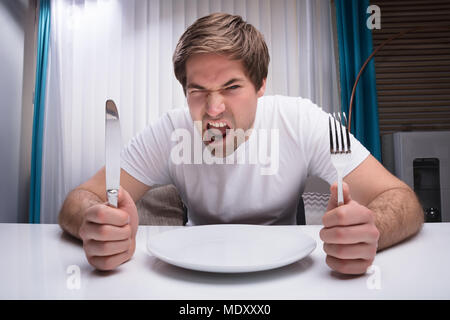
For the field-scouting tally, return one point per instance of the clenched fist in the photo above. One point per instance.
(350, 235)
(109, 234)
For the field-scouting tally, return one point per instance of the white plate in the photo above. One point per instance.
(231, 247)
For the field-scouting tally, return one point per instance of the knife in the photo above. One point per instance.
(113, 143)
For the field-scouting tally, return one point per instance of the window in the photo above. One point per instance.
(413, 71)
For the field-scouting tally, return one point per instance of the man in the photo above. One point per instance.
(221, 62)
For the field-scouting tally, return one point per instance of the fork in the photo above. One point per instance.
(340, 149)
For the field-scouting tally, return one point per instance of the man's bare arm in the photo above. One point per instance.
(398, 213)
(90, 193)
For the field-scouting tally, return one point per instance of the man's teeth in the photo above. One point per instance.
(217, 124)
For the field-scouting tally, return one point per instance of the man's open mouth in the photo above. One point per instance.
(215, 131)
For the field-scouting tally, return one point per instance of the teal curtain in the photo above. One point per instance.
(355, 46)
(39, 105)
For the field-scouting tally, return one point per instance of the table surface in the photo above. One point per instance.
(42, 262)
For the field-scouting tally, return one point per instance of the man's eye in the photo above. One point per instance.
(233, 87)
(196, 91)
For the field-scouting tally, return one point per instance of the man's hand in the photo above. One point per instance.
(350, 236)
(109, 234)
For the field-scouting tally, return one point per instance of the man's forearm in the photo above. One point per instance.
(398, 215)
(71, 214)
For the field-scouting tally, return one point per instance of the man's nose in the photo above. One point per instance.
(215, 104)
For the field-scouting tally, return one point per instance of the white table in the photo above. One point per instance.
(41, 262)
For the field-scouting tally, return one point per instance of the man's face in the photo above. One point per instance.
(220, 97)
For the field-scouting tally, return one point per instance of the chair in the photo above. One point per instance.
(162, 206)
(315, 205)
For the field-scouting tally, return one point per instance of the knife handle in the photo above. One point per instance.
(112, 195)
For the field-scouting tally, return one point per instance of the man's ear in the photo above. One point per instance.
(261, 90)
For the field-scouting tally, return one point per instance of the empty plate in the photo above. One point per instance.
(231, 248)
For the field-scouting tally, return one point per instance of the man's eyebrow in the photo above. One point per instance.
(195, 86)
(199, 87)
(232, 81)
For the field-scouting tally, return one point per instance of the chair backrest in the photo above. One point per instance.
(301, 219)
(315, 205)
(162, 205)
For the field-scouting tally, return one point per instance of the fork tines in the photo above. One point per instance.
(337, 144)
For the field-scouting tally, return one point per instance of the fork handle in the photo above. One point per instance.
(340, 191)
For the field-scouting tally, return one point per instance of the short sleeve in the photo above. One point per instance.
(314, 122)
(146, 156)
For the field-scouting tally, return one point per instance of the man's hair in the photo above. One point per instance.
(227, 35)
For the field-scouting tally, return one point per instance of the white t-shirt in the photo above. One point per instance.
(260, 183)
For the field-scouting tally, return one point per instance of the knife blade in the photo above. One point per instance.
(113, 144)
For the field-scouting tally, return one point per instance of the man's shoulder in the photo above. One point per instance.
(176, 118)
(177, 113)
(286, 104)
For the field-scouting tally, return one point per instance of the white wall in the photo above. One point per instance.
(16, 87)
